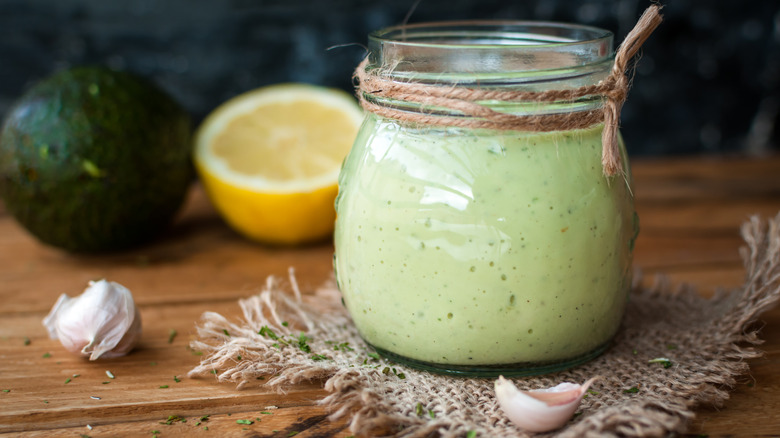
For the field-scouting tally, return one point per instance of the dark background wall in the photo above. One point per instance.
(708, 80)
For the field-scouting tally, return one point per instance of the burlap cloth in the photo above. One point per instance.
(708, 343)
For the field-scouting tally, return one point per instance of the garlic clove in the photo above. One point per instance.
(62, 302)
(540, 410)
(101, 322)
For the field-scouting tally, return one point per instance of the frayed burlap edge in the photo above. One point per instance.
(285, 339)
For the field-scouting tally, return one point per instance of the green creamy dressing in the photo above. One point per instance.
(482, 247)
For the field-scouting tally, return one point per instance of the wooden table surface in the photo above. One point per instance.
(690, 210)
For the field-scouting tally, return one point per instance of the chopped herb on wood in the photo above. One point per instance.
(164, 386)
(245, 422)
(6, 390)
(176, 379)
(172, 419)
(46, 355)
(67, 380)
(172, 335)
(26, 340)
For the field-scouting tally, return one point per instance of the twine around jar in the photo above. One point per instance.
(377, 82)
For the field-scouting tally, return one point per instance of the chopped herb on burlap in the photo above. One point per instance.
(675, 351)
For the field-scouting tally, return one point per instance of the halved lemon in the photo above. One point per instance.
(269, 160)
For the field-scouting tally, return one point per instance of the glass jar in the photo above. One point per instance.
(481, 252)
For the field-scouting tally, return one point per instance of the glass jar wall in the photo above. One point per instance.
(484, 251)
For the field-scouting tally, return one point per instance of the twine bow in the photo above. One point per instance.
(376, 82)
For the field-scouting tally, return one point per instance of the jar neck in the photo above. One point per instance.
(529, 56)
(519, 76)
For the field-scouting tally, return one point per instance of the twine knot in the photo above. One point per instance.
(614, 90)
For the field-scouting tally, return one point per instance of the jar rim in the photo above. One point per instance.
(490, 49)
(480, 34)
(524, 56)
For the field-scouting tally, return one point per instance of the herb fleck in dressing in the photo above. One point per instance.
(482, 248)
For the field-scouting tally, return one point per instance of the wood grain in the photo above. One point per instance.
(690, 210)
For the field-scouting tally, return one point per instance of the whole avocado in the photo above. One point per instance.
(95, 160)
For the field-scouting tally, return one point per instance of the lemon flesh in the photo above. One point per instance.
(269, 160)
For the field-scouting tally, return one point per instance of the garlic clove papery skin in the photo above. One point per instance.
(540, 410)
(101, 322)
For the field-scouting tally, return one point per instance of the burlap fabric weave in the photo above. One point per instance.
(707, 340)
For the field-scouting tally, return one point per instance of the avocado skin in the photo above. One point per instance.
(93, 160)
